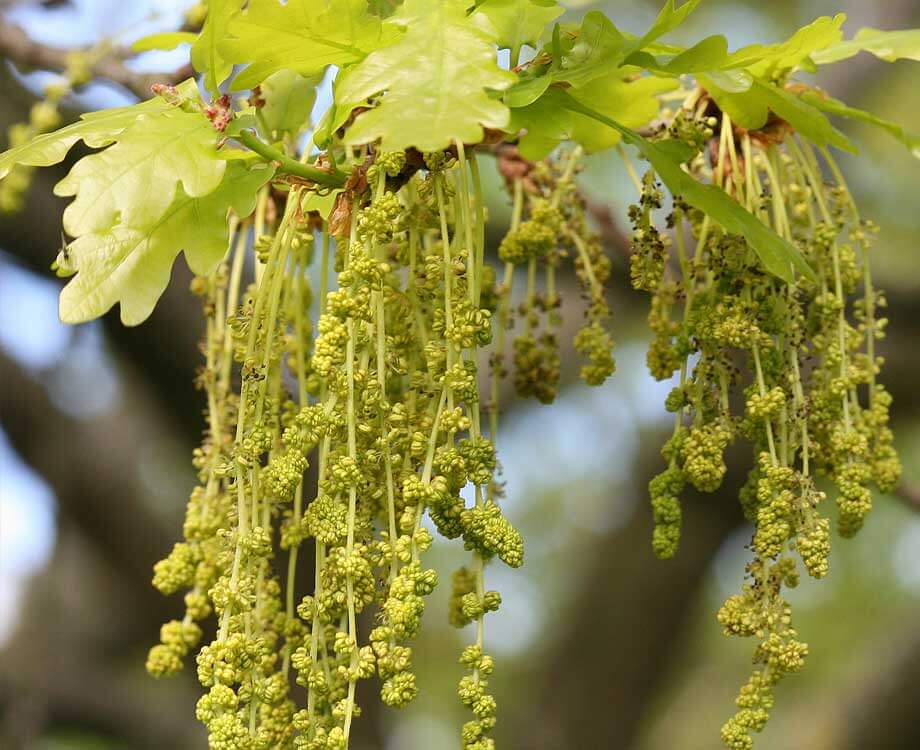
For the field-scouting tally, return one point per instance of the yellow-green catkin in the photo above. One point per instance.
(812, 404)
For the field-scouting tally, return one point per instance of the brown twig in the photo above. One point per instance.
(17, 46)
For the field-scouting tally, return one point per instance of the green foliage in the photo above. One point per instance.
(289, 99)
(778, 255)
(547, 122)
(886, 45)
(433, 83)
(206, 57)
(165, 41)
(130, 262)
(775, 60)
(751, 109)
(836, 107)
(519, 22)
(133, 181)
(302, 36)
(96, 129)
(708, 54)
(772, 306)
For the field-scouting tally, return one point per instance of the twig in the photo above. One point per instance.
(332, 178)
(17, 46)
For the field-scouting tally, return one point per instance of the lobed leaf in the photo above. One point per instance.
(96, 129)
(773, 60)
(836, 107)
(757, 60)
(303, 36)
(886, 45)
(131, 265)
(547, 122)
(519, 22)
(751, 109)
(433, 84)
(596, 49)
(707, 54)
(206, 57)
(289, 99)
(669, 18)
(135, 181)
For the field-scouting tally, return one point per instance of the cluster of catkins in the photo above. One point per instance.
(378, 394)
(800, 356)
(554, 228)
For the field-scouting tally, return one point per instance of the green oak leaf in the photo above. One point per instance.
(708, 54)
(544, 123)
(836, 107)
(519, 22)
(433, 83)
(131, 265)
(746, 107)
(633, 103)
(806, 120)
(304, 36)
(595, 49)
(778, 256)
(164, 41)
(96, 129)
(289, 99)
(599, 49)
(323, 203)
(134, 181)
(734, 72)
(730, 81)
(886, 45)
(669, 18)
(206, 58)
(751, 110)
(774, 59)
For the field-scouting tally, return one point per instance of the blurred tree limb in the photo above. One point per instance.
(18, 47)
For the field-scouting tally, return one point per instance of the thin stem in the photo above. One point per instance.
(334, 178)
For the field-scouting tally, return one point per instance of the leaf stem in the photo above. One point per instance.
(333, 179)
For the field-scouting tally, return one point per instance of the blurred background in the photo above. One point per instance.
(598, 644)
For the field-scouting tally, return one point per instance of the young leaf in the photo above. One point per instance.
(433, 82)
(778, 256)
(772, 60)
(96, 129)
(304, 36)
(205, 55)
(805, 119)
(886, 45)
(669, 18)
(166, 41)
(519, 22)
(751, 109)
(837, 107)
(730, 81)
(598, 50)
(134, 181)
(131, 265)
(632, 103)
(707, 54)
(289, 99)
